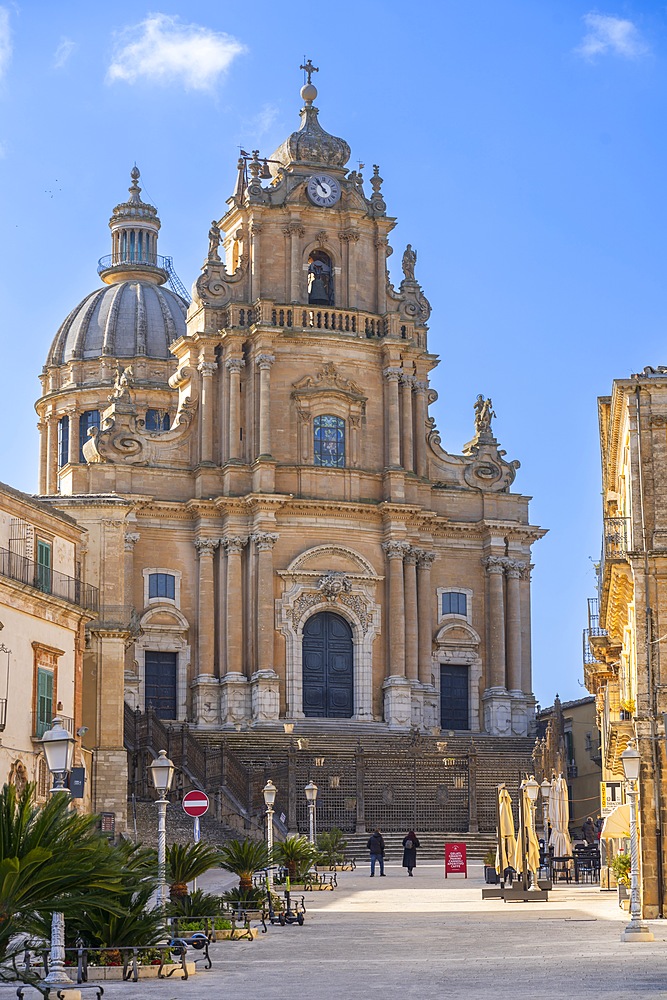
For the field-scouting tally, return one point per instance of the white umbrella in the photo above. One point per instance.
(559, 817)
(617, 824)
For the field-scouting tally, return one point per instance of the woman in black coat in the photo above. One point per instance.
(410, 845)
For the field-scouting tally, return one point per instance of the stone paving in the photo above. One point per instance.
(425, 937)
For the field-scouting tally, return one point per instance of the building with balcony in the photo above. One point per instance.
(278, 535)
(44, 608)
(627, 622)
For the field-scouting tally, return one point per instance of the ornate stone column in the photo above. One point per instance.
(234, 366)
(255, 258)
(497, 703)
(421, 411)
(43, 455)
(264, 681)
(130, 540)
(206, 370)
(206, 686)
(514, 570)
(234, 705)
(381, 248)
(407, 382)
(264, 363)
(411, 624)
(430, 713)
(397, 694)
(295, 232)
(73, 436)
(392, 377)
(52, 454)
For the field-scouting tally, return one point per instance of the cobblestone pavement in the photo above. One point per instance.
(426, 937)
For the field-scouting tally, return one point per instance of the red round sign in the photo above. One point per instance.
(195, 803)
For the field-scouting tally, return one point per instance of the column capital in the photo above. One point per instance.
(264, 361)
(233, 543)
(207, 367)
(264, 539)
(392, 374)
(425, 558)
(411, 555)
(206, 546)
(234, 365)
(494, 564)
(395, 549)
(420, 386)
(515, 568)
(294, 229)
(408, 380)
(349, 236)
(131, 538)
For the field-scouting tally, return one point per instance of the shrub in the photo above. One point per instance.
(296, 854)
(331, 847)
(197, 904)
(244, 858)
(186, 862)
(621, 865)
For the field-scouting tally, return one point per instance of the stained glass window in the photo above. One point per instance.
(329, 443)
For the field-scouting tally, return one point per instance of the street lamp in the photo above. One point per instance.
(58, 747)
(532, 790)
(269, 792)
(636, 930)
(162, 774)
(311, 797)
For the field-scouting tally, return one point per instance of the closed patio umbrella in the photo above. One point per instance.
(507, 836)
(617, 824)
(532, 844)
(559, 817)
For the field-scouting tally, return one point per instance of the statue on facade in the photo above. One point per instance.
(483, 414)
(123, 380)
(214, 241)
(409, 261)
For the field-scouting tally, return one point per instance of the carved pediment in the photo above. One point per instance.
(328, 380)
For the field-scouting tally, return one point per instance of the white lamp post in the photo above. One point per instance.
(636, 930)
(269, 791)
(58, 748)
(311, 797)
(532, 789)
(162, 774)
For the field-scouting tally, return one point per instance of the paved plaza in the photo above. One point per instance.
(426, 937)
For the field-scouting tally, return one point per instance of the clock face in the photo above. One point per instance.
(323, 190)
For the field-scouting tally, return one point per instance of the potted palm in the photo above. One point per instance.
(296, 855)
(185, 863)
(244, 858)
(621, 865)
(331, 847)
(491, 876)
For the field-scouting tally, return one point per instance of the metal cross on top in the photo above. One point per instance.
(310, 69)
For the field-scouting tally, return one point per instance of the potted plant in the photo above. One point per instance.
(244, 858)
(491, 876)
(185, 863)
(295, 854)
(621, 865)
(331, 848)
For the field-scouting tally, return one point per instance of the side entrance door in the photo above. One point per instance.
(327, 667)
(454, 696)
(161, 683)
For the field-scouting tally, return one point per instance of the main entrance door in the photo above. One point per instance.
(327, 667)
(454, 697)
(161, 683)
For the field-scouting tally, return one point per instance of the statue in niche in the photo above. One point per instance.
(320, 279)
(483, 414)
(409, 261)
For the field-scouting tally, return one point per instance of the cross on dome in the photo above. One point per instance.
(310, 69)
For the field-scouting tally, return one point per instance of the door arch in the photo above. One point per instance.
(328, 667)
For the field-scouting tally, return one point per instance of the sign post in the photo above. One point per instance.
(455, 860)
(195, 804)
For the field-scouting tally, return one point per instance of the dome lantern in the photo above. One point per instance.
(134, 226)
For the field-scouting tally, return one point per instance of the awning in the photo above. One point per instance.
(617, 823)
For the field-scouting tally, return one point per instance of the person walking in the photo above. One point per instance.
(589, 832)
(410, 845)
(376, 846)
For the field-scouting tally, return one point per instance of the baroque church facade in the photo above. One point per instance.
(275, 529)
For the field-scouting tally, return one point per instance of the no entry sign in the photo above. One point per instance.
(195, 804)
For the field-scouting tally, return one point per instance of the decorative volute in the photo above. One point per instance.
(134, 226)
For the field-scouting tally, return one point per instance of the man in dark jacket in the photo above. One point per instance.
(376, 846)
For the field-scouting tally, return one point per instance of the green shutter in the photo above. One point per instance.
(44, 701)
(44, 566)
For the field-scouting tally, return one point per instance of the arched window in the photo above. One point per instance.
(320, 279)
(157, 420)
(329, 441)
(88, 419)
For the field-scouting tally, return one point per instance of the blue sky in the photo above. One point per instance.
(524, 152)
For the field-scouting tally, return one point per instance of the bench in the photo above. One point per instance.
(130, 961)
(58, 991)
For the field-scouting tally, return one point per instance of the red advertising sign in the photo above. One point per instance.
(195, 803)
(455, 860)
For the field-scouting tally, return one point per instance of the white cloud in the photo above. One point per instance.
(263, 121)
(63, 52)
(611, 35)
(5, 41)
(162, 50)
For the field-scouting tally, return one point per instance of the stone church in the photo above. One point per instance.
(275, 529)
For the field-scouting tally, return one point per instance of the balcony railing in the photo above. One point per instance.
(616, 537)
(41, 725)
(49, 581)
(132, 258)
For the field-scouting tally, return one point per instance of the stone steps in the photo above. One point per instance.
(432, 847)
(180, 828)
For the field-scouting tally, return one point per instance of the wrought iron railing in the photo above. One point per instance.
(616, 537)
(49, 581)
(141, 259)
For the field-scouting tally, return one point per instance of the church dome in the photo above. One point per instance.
(311, 143)
(125, 320)
(134, 315)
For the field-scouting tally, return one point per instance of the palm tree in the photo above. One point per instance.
(244, 858)
(186, 862)
(296, 854)
(51, 858)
